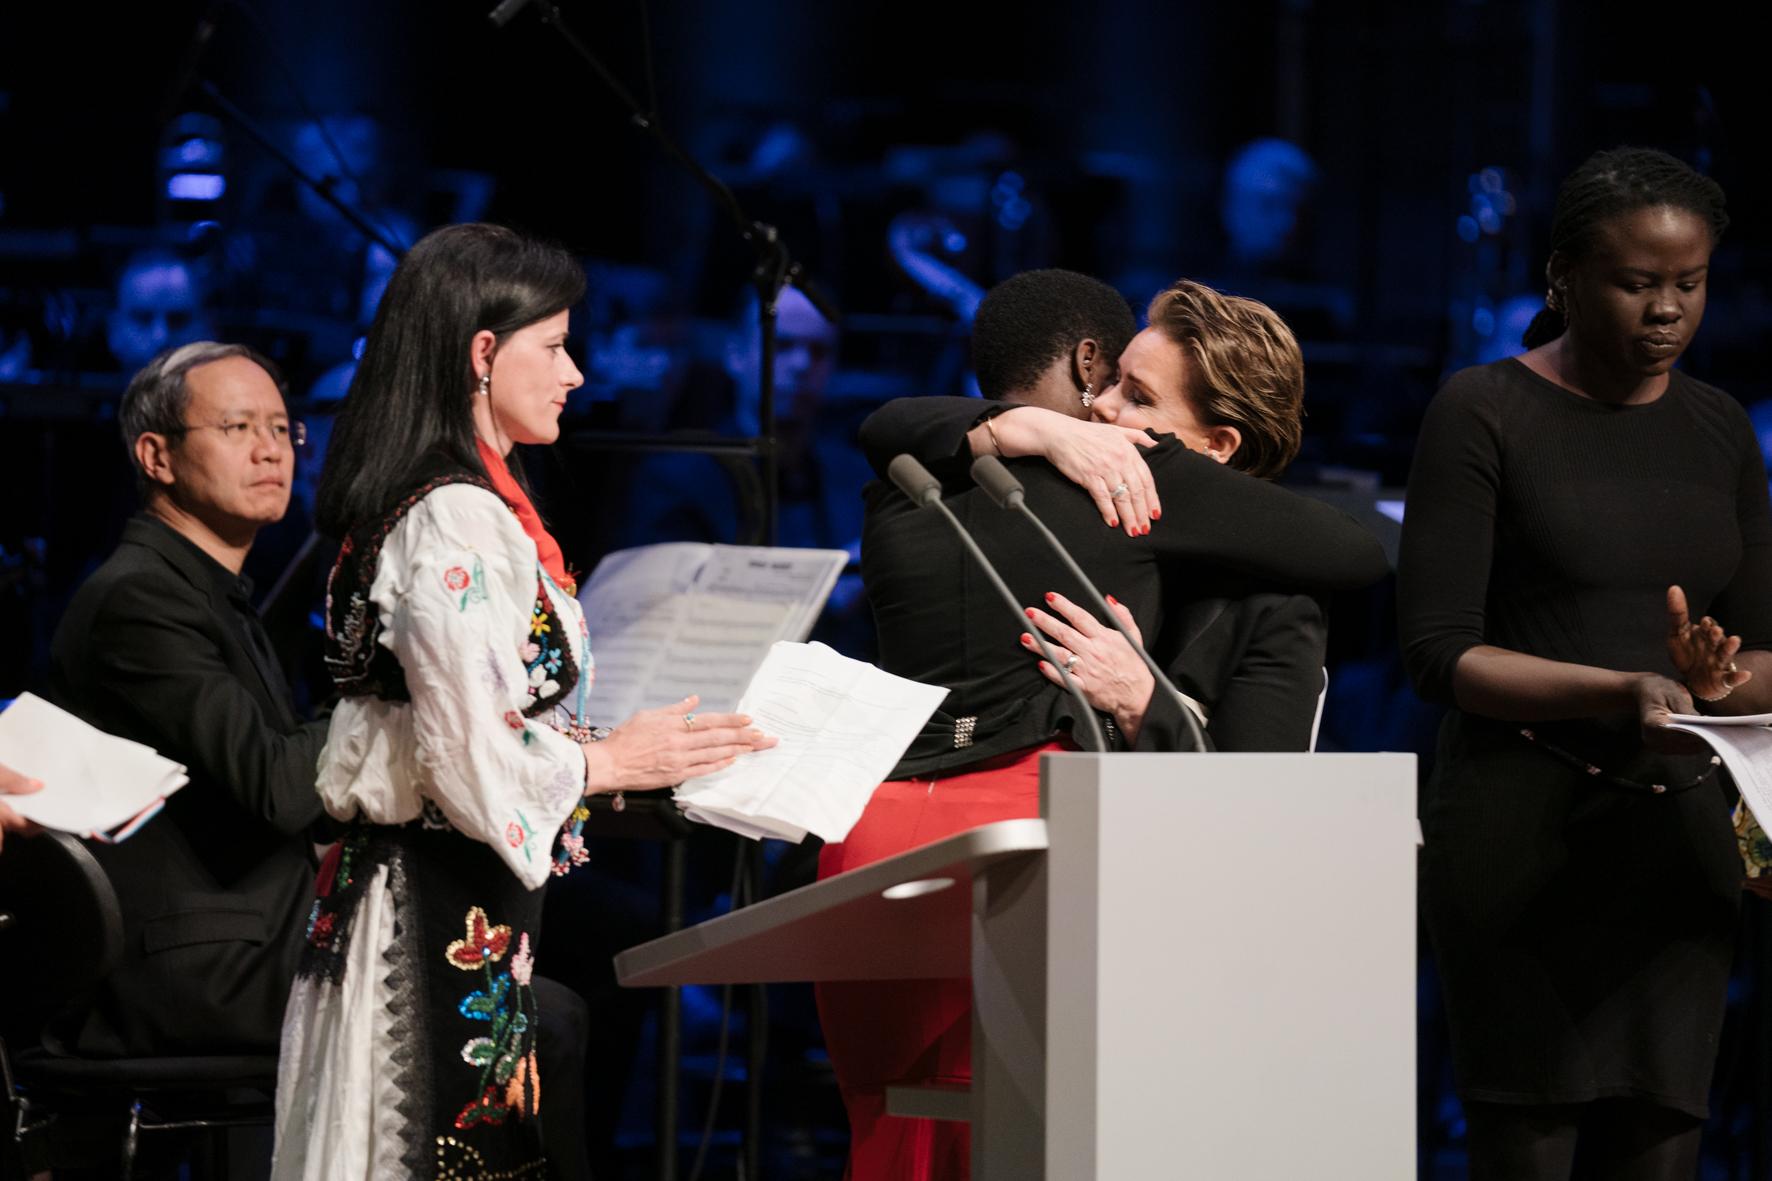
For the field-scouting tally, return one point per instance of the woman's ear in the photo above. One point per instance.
(1086, 364)
(1557, 273)
(480, 352)
(1222, 442)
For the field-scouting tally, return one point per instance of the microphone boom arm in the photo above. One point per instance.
(924, 491)
(1007, 492)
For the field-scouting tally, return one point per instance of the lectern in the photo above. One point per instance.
(1193, 966)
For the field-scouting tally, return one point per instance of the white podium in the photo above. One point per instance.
(1195, 966)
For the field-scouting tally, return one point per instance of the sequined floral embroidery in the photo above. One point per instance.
(543, 656)
(484, 943)
(505, 1055)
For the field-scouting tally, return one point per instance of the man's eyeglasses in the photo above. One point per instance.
(281, 434)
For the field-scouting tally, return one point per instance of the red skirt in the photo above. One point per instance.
(914, 1031)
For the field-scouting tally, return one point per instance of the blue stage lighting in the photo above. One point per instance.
(196, 186)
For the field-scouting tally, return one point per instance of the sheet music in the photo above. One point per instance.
(842, 725)
(93, 782)
(670, 620)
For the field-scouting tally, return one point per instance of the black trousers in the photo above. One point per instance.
(1607, 1140)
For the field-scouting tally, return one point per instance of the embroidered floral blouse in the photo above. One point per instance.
(456, 589)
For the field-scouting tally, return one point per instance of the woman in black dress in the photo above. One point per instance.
(1580, 878)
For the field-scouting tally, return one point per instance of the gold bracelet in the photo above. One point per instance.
(992, 432)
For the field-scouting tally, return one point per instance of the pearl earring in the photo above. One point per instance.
(485, 388)
(1088, 396)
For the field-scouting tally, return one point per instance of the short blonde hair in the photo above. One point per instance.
(1248, 371)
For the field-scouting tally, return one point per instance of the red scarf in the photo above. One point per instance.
(546, 548)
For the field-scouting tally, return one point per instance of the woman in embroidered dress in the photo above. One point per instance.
(456, 754)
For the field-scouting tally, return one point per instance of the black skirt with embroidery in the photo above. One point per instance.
(461, 1010)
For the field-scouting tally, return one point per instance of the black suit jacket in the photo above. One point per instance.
(940, 622)
(156, 646)
(1253, 659)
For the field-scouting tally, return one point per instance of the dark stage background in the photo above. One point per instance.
(1381, 171)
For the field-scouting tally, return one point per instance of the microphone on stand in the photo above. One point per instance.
(989, 473)
(501, 16)
(915, 481)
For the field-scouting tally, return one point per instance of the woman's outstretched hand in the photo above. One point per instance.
(1703, 654)
(1111, 675)
(663, 747)
(1098, 457)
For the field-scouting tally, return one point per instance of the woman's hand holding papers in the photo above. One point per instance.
(663, 747)
(14, 784)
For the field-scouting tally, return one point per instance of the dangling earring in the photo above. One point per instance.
(485, 387)
(1088, 395)
(1553, 299)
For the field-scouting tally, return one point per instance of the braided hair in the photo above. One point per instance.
(1622, 180)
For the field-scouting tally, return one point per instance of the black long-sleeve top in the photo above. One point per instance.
(1552, 524)
(939, 621)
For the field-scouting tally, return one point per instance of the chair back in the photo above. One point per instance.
(65, 933)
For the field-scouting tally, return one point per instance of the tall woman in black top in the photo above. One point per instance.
(1580, 879)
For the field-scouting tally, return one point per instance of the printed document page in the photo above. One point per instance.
(670, 620)
(842, 725)
(1746, 751)
(93, 783)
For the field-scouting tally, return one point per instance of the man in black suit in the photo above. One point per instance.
(162, 645)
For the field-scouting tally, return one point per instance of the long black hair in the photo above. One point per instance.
(1609, 183)
(410, 401)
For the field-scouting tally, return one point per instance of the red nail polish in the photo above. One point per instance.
(1050, 596)
(1026, 639)
(1113, 600)
(1114, 524)
(1156, 514)
(1030, 612)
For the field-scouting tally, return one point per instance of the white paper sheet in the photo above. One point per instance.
(670, 620)
(93, 783)
(1720, 720)
(1746, 751)
(842, 725)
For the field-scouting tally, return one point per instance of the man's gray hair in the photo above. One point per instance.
(157, 395)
